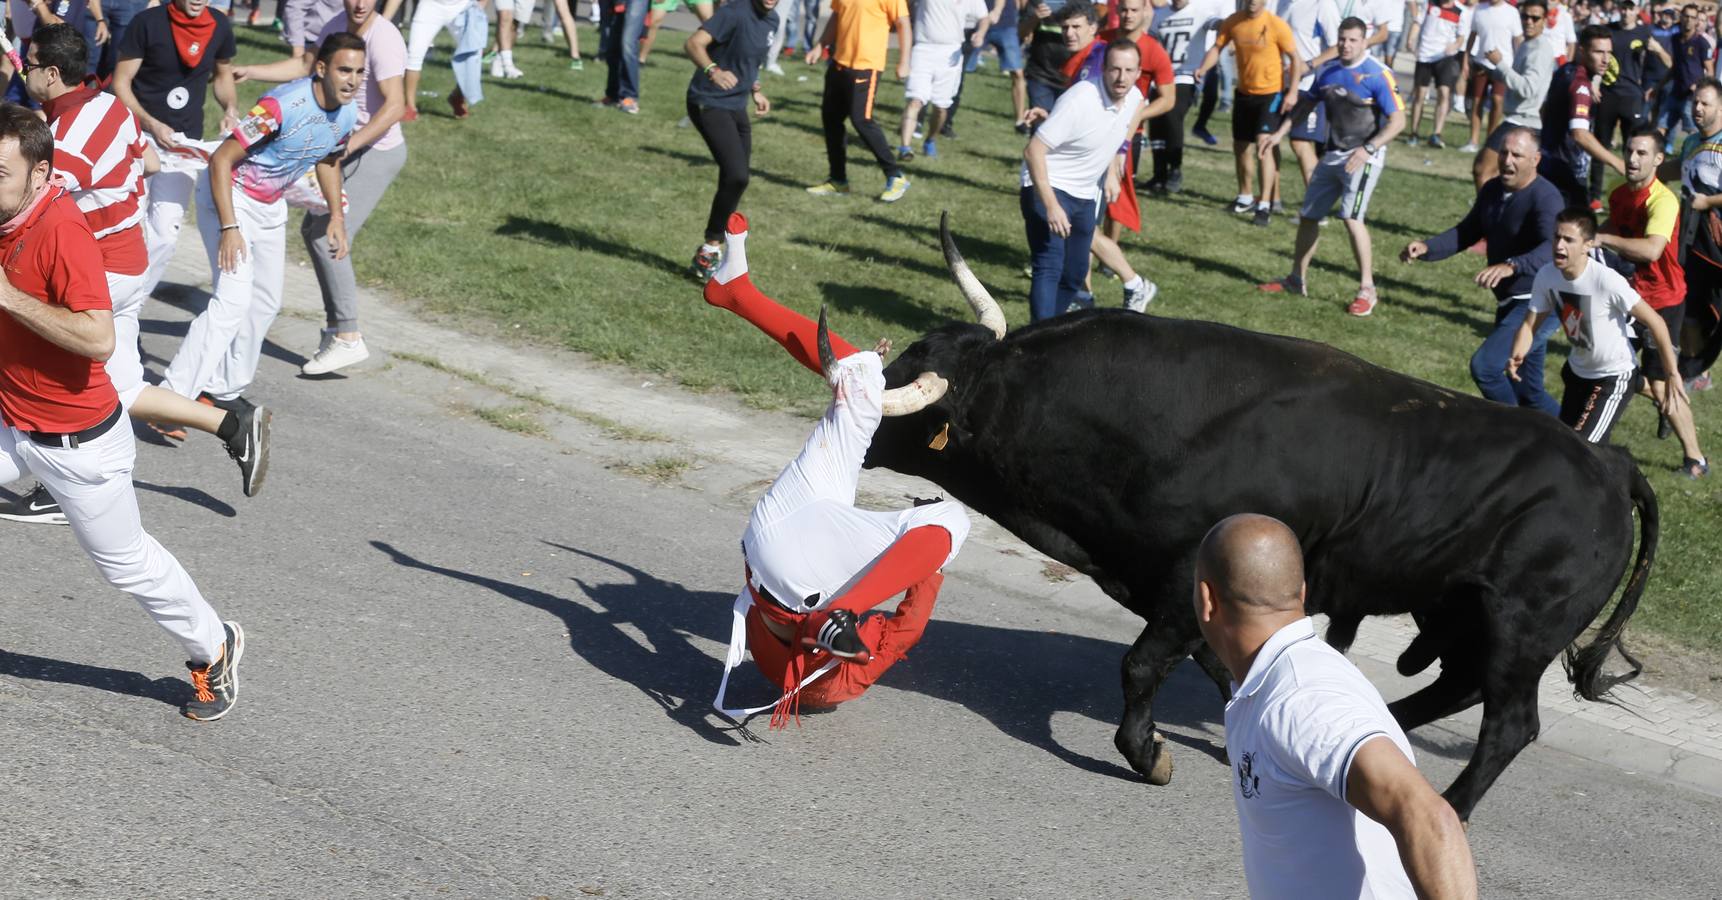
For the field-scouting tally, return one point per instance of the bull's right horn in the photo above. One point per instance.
(986, 309)
(914, 396)
(827, 359)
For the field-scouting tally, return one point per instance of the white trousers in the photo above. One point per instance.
(168, 194)
(225, 341)
(125, 367)
(429, 19)
(93, 485)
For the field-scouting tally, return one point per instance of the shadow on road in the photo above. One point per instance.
(172, 691)
(1018, 680)
(671, 671)
(194, 496)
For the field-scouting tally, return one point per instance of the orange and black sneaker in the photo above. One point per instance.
(217, 683)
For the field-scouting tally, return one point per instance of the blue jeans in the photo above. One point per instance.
(120, 14)
(1670, 105)
(619, 45)
(1060, 263)
(1489, 363)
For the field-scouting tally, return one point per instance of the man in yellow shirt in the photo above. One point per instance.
(857, 36)
(1268, 64)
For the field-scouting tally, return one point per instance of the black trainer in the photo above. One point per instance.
(841, 637)
(232, 406)
(37, 507)
(217, 684)
(1664, 427)
(1175, 182)
(250, 446)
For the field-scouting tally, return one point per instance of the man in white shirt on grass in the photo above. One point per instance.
(1330, 802)
(1495, 29)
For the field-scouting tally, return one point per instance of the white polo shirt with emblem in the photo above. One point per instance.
(1292, 730)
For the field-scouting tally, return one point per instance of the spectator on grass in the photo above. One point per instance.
(858, 37)
(1439, 40)
(619, 44)
(1363, 113)
(797, 27)
(374, 155)
(1569, 146)
(936, 66)
(1514, 214)
(172, 58)
(1694, 60)
(661, 10)
(430, 17)
(1186, 29)
(726, 52)
(1526, 82)
(1495, 30)
(1070, 164)
(1053, 38)
(1622, 103)
(1002, 35)
(1701, 227)
(1315, 27)
(1644, 229)
(303, 20)
(1268, 64)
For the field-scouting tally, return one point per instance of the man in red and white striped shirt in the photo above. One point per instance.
(101, 158)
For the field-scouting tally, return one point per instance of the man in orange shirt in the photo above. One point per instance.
(1267, 64)
(857, 36)
(1644, 228)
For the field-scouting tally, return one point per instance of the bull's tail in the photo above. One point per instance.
(1584, 664)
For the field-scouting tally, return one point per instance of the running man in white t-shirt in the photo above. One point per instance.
(1596, 307)
(1330, 802)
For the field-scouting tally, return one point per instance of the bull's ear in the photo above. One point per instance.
(942, 433)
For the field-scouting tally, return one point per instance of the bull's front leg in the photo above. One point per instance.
(1155, 654)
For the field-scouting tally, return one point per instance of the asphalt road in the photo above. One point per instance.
(480, 664)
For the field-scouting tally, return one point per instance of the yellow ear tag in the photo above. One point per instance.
(942, 438)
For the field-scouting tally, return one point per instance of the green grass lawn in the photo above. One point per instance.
(543, 219)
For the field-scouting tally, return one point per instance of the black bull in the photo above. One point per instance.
(1113, 441)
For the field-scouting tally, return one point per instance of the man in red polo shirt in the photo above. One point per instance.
(1644, 227)
(63, 419)
(101, 157)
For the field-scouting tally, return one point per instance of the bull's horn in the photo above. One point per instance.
(827, 359)
(914, 396)
(986, 309)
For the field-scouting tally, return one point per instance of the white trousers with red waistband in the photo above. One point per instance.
(221, 348)
(93, 485)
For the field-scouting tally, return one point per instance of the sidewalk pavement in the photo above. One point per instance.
(736, 452)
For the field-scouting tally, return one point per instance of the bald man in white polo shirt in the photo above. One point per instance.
(1330, 802)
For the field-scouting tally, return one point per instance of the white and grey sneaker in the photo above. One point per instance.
(217, 683)
(37, 507)
(337, 354)
(1137, 299)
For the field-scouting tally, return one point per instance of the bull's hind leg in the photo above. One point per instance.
(1155, 654)
(1451, 692)
(1510, 723)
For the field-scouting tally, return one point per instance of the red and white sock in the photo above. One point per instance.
(731, 288)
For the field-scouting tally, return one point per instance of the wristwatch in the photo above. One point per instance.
(1369, 148)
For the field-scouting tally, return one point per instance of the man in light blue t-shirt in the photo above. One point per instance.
(293, 128)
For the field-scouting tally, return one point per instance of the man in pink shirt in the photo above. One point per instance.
(375, 155)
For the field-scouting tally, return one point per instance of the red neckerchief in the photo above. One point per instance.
(49, 190)
(69, 102)
(190, 36)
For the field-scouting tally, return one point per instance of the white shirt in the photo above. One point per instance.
(1315, 27)
(1188, 33)
(1495, 25)
(1292, 730)
(1440, 29)
(1560, 21)
(1083, 134)
(1595, 311)
(941, 22)
(1374, 13)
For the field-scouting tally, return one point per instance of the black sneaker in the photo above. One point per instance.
(1263, 218)
(1022, 128)
(840, 637)
(38, 507)
(235, 405)
(1436, 142)
(1664, 428)
(250, 446)
(946, 131)
(1175, 182)
(217, 684)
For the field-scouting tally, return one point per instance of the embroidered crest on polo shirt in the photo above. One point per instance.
(1249, 783)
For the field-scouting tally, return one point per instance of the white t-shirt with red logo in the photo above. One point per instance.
(1595, 311)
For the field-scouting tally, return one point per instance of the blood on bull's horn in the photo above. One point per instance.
(986, 309)
(910, 398)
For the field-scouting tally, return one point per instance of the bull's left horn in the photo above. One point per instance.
(986, 309)
(827, 359)
(914, 396)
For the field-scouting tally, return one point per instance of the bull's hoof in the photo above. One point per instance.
(1159, 771)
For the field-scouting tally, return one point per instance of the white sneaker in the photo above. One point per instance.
(1137, 300)
(327, 338)
(513, 72)
(338, 355)
(1468, 148)
(774, 68)
(496, 67)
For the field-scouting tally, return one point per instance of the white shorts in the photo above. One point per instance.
(935, 71)
(1330, 184)
(520, 9)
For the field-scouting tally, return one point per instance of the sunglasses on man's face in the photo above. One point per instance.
(1527, 17)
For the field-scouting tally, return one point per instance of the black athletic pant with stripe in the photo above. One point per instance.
(1166, 134)
(849, 96)
(1592, 406)
(729, 136)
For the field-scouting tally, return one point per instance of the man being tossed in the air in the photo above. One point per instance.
(815, 564)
